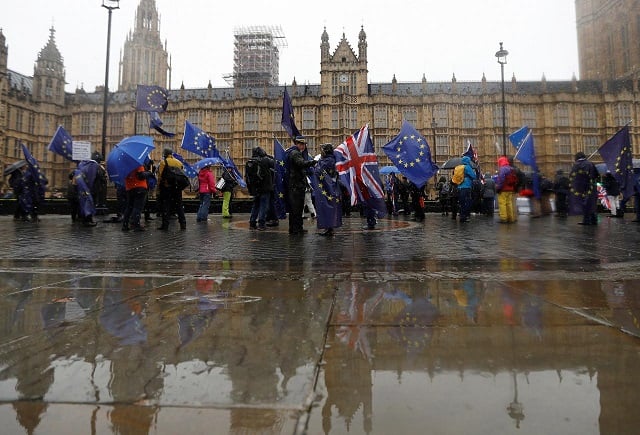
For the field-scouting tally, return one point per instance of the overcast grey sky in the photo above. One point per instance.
(407, 38)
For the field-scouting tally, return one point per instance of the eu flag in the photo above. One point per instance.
(156, 123)
(198, 141)
(62, 143)
(281, 179)
(35, 172)
(616, 153)
(411, 154)
(288, 121)
(326, 193)
(522, 140)
(151, 98)
(188, 169)
(229, 164)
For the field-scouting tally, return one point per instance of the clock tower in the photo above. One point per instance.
(343, 72)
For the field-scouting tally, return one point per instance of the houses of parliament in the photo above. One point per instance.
(565, 116)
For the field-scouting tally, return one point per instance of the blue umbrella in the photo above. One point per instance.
(208, 161)
(130, 153)
(389, 170)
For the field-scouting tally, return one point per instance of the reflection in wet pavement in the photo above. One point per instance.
(281, 353)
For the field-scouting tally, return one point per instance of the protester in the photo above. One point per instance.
(327, 194)
(84, 177)
(137, 188)
(561, 188)
(227, 192)
(417, 201)
(16, 181)
(169, 195)
(443, 187)
(72, 198)
(308, 202)
(612, 187)
(464, 189)
(206, 188)
(152, 183)
(488, 195)
(506, 185)
(260, 186)
(403, 190)
(298, 165)
(393, 194)
(584, 194)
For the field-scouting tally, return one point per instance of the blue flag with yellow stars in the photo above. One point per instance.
(616, 153)
(326, 193)
(156, 123)
(36, 175)
(151, 98)
(62, 143)
(198, 141)
(288, 122)
(281, 179)
(411, 154)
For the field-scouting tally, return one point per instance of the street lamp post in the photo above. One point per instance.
(434, 125)
(110, 5)
(502, 60)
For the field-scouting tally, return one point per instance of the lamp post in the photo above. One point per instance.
(502, 60)
(434, 125)
(109, 5)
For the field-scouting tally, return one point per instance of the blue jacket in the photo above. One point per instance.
(469, 174)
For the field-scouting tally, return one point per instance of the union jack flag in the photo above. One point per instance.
(357, 165)
(602, 196)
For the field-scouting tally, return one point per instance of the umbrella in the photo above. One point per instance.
(207, 161)
(452, 163)
(389, 170)
(129, 154)
(14, 166)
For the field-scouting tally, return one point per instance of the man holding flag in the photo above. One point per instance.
(298, 165)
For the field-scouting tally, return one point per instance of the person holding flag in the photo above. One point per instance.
(326, 192)
(298, 165)
(583, 199)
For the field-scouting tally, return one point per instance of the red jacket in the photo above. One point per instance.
(207, 181)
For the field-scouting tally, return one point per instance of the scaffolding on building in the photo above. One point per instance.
(256, 56)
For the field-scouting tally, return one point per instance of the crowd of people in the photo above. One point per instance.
(313, 189)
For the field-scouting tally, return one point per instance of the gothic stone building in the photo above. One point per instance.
(565, 116)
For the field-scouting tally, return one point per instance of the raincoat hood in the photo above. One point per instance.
(466, 160)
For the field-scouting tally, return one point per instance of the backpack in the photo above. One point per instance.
(446, 189)
(254, 174)
(458, 174)
(175, 177)
(511, 179)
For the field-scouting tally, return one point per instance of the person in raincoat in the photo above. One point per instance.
(16, 181)
(326, 192)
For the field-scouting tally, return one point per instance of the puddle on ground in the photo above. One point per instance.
(154, 353)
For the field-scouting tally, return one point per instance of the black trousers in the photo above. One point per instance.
(296, 207)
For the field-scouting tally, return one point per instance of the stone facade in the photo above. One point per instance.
(565, 116)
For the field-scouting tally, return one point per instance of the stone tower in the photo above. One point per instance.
(608, 33)
(343, 72)
(48, 74)
(144, 60)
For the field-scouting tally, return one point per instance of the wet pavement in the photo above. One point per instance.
(435, 327)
